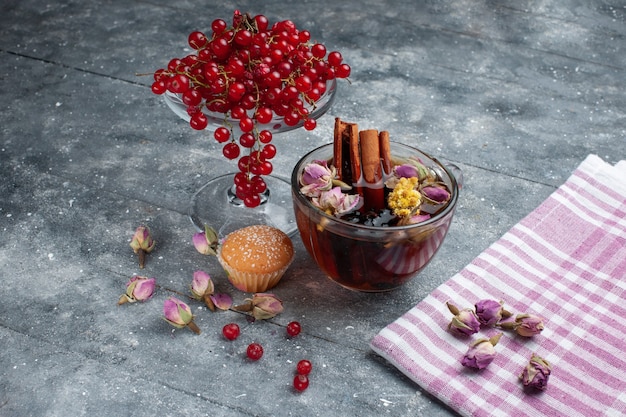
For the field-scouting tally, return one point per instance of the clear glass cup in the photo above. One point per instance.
(370, 258)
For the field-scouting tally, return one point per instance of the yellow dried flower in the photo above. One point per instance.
(405, 199)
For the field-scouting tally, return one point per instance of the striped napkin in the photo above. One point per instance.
(565, 262)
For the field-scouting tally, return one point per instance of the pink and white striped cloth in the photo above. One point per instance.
(566, 262)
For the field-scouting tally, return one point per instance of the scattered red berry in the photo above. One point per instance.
(293, 328)
(300, 382)
(254, 351)
(231, 331)
(304, 367)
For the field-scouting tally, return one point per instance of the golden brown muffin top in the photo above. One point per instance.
(258, 248)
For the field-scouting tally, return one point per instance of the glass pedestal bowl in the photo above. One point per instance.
(216, 204)
(371, 258)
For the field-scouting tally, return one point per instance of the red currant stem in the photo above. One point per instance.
(193, 327)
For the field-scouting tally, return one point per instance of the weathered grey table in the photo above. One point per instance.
(516, 93)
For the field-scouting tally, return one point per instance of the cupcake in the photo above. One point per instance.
(255, 257)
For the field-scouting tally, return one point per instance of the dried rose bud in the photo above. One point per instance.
(490, 312)
(142, 243)
(335, 202)
(206, 242)
(316, 177)
(436, 194)
(202, 287)
(138, 289)
(536, 373)
(178, 314)
(528, 325)
(481, 353)
(464, 322)
(262, 306)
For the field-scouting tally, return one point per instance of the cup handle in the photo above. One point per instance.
(456, 171)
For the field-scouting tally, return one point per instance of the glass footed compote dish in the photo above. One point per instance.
(216, 203)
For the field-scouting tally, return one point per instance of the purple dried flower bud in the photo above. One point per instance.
(481, 353)
(536, 373)
(436, 194)
(489, 312)
(464, 322)
(178, 314)
(142, 243)
(335, 202)
(265, 306)
(528, 325)
(206, 242)
(406, 171)
(316, 177)
(138, 289)
(201, 285)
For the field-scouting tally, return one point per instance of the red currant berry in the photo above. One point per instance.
(343, 71)
(231, 150)
(251, 201)
(334, 59)
(254, 351)
(265, 168)
(246, 124)
(218, 26)
(243, 37)
(261, 22)
(293, 328)
(310, 124)
(303, 83)
(197, 40)
(247, 140)
(300, 382)
(231, 331)
(263, 115)
(318, 50)
(159, 87)
(304, 367)
(198, 121)
(268, 151)
(259, 185)
(221, 134)
(265, 136)
(192, 97)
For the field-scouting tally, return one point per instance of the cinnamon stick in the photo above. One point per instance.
(385, 151)
(345, 138)
(373, 192)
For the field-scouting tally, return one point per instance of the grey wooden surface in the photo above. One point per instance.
(516, 93)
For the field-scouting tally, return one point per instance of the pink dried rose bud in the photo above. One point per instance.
(481, 353)
(261, 306)
(316, 177)
(206, 242)
(436, 194)
(536, 373)
(138, 289)
(335, 202)
(178, 314)
(464, 322)
(202, 288)
(490, 312)
(527, 325)
(142, 243)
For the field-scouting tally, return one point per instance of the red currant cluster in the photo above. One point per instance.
(251, 72)
(254, 352)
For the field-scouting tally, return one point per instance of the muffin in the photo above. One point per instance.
(255, 257)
